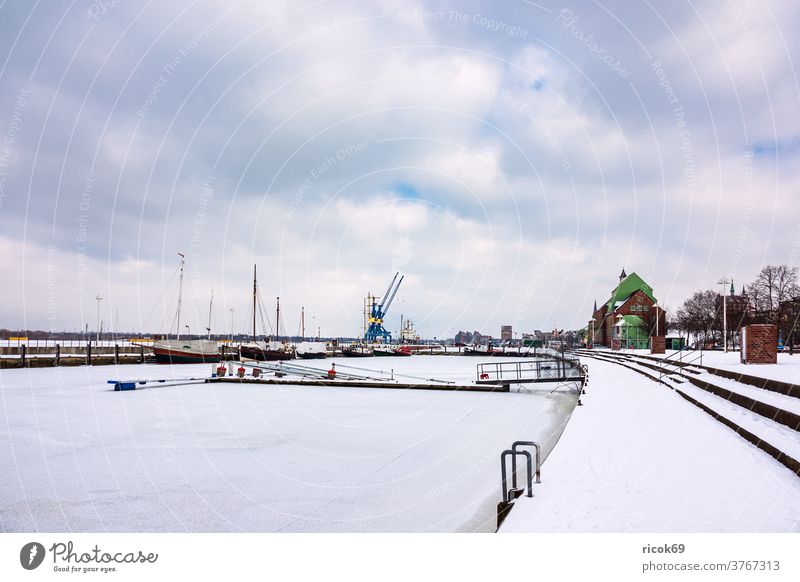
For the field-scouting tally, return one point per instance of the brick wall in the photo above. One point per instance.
(658, 344)
(759, 344)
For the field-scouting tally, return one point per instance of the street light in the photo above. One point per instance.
(724, 282)
(99, 298)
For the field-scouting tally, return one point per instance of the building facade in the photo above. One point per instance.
(629, 317)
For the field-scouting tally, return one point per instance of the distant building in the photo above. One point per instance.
(505, 333)
(629, 317)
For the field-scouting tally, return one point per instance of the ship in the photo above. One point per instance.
(185, 351)
(387, 350)
(358, 351)
(311, 350)
(265, 350)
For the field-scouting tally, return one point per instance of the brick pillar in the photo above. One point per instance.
(658, 344)
(759, 344)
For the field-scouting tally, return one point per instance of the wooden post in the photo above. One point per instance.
(141, 352)
(116, 353)
(89, 353)
(58, 355)
(22, 350)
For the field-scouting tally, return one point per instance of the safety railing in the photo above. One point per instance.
(678, 363)
(528, 371)
(511, 493)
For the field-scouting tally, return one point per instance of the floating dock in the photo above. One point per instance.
(357, 384)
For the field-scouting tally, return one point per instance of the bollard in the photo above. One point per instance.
(22, 352)
(89, 354)
(116, 353)
(58, 355)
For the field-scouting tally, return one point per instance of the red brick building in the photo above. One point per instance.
(630, 316)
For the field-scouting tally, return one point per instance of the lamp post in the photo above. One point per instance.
(724, 281)
(99, 298)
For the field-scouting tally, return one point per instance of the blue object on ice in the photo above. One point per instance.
(124, 386)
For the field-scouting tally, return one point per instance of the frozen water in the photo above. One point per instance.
(76, 456)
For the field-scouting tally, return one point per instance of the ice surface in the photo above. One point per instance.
(76, 456)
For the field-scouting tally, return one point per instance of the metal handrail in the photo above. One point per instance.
(537, 472)
(506, 492)
(671, 362)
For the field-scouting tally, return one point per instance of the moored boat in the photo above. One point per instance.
(357, 351)
(181, 351)
(385, 350)
(185, 351)
(264, 351)
(311, 350)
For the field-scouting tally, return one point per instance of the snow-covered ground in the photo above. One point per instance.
(76, 456)
(639, 458)
(787, 369)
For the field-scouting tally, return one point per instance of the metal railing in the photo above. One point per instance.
(511, 493)
(529, 371)
(678, 364)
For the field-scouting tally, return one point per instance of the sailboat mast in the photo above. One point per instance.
(210, 303)
(278, 320)
(302, 323)
(255, 290)
(180, 298)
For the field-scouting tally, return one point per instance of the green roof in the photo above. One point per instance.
(627, 287)
(633, 321)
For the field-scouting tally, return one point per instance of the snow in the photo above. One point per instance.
(786, 370)
(639, 458)
(76, 456)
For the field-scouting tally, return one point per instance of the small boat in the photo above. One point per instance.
(265, 351)
(180, 351)
(185, 351)
(392, 351)
(311, 350)
(357, 351)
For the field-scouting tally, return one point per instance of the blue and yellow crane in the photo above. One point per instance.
(376, 312)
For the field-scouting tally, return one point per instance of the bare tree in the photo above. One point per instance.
(774, 285)
(697, 316)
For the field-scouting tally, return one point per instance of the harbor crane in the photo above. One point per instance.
(377, 312)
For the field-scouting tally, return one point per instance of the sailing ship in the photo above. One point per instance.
(314, 350)
(265, 350)
(185, 351)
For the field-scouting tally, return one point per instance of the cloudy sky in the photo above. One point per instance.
(508, 157)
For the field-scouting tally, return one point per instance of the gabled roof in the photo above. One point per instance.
(632, 321)
(627, 287)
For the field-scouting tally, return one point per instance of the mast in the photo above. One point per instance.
(255, 290)
(302, 323)
(210, 303)
(278, 320)
(180, 298)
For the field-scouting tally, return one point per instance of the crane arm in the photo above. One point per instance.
(388, 290)
(389, 302)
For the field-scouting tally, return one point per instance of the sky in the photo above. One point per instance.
(508, 158)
